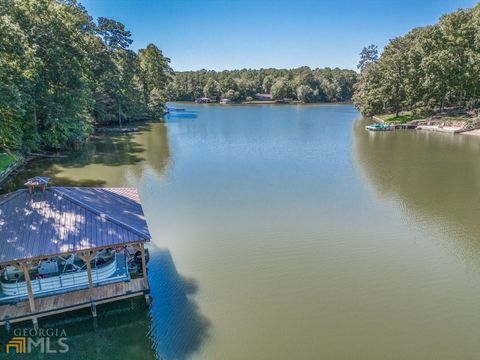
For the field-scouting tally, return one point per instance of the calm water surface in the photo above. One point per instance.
(290, 232)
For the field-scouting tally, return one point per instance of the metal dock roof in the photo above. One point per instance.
(65, 219)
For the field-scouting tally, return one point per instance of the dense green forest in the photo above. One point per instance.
(302, 84)
(61, 72)
(427, 70)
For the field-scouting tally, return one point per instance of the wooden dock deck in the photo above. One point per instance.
(56, 304)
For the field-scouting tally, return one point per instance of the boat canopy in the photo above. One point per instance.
(63, 220)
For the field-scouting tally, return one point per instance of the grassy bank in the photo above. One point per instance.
(402, 118)
(6, 160)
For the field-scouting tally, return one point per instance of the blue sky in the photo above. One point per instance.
(233, 34)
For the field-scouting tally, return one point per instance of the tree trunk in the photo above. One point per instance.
(34, 110)
(119, 117)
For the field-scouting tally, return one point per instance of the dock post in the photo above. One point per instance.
(144, 266)
(35, 323)
(87, 258)
(94, 309)
(146, 287)
(31, 300)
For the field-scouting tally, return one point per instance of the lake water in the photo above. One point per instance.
(289, 232)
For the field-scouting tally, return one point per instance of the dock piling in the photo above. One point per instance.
(35, 323)
(94, 309)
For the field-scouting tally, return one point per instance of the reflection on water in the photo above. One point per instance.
(106, 160)
(434, 177)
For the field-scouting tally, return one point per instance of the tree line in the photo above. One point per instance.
(303, 84)
(425, 71)
(61, 73)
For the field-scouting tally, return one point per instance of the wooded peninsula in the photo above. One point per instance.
(426, 71)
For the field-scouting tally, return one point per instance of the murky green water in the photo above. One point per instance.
(290, 232)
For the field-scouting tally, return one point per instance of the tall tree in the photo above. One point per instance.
(280, 90)
(368, 55)
(212, 89)
(114, 34)
(394, 67)
(155, 74)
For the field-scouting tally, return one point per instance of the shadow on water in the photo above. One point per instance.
(178, 328)
(104, 160)
(172, 328)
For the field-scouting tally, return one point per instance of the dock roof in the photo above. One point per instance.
(63, 220)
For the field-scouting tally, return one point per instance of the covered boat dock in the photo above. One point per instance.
(66, 248)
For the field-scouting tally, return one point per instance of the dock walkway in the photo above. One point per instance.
(56, 304)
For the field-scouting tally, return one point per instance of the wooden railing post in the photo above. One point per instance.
(28, 282)
(31, 300)
(144, 266)
(87, 260)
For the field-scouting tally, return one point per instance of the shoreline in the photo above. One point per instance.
(461, 125)
(265, 102)
(23, 160)
(6, 174)
(475, 132)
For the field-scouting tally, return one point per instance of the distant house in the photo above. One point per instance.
(203, 100)
(263, 96)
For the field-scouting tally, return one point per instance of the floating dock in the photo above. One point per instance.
(405, 126)
(383, 126)
(118, 130)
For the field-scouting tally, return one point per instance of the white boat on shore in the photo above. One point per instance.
(379, 127)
